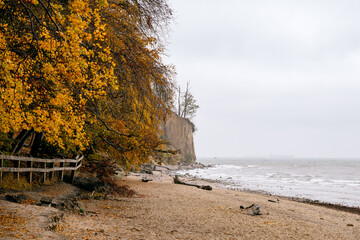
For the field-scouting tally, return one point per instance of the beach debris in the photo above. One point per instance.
(350, 225)
(271, 223)
(204, 187)
(16, 198)
(274, 201)
(147, 171)
(87, 182)
(145, 179)
(252, 210)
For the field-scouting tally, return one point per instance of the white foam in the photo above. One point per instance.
(315, 179)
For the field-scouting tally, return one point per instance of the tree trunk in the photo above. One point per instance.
(179, 101)
(36, 144)
(21, 139)
(178, 181)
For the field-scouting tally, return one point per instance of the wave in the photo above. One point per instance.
(315, 181)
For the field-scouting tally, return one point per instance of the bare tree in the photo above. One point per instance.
(187, 106)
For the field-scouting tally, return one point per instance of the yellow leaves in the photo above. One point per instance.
(271, 223)
(102, 3)
(10, 224)
(3, 43)
(79, 6)
(87, 37)
(113, 66)
(48, 90)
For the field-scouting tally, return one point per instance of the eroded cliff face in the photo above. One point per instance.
(178, 132)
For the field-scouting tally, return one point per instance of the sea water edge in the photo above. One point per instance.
(329, 180)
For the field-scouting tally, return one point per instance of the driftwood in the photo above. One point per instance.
(178, 181)
(144, 179)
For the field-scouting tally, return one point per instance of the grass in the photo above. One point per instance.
(9, 182)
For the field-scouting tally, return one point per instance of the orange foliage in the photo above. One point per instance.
(86, 73)
(46, 75)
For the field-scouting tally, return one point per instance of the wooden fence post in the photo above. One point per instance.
(44, 175)
(18, 174)
(16, 168)
(51, 174)
(29, 164)
(61, 173)
(1, 173)
(72, 177)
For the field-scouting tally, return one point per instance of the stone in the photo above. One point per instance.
(252, 210)
(89, 183)
(207, 187)
(16, 198)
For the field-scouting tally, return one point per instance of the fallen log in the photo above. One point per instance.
(178, 181)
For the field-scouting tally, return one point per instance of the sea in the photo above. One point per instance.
(330, 180)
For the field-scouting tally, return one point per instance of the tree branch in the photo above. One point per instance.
(104, 123)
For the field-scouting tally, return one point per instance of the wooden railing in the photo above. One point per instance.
(44, 166)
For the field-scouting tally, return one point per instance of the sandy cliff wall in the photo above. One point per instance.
(178, 132)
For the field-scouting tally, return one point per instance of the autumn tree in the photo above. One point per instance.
(130, 116)
(52, 62)
(84, 76)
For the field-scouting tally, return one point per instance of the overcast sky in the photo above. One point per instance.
(279, 77)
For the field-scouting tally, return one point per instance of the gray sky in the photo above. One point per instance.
(279, 77)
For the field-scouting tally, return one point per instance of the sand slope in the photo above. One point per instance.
(168, 211)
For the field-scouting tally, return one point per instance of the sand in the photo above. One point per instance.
(163, 210)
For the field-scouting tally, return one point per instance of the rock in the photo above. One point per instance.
(66, 203)
(46, 199)
(89, 183)
(252, 210)
(16, 198)
(256, 211)
(207, 187)
(147, 171)
(144, 179)
(53, 220)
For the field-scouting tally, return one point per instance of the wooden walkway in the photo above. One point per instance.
(44, 166)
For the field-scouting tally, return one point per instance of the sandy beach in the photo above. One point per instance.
(169, 211)
(164, 210)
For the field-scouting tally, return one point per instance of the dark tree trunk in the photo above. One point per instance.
(10, 135)
(17, 139)
(36, 144)
(20, 140)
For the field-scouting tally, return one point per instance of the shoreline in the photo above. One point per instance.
(221, 185)
(161, 209)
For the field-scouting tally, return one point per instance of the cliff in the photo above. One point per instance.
(178, 132)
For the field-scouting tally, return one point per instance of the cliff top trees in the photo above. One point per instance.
(186, 106)
(84, 75)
